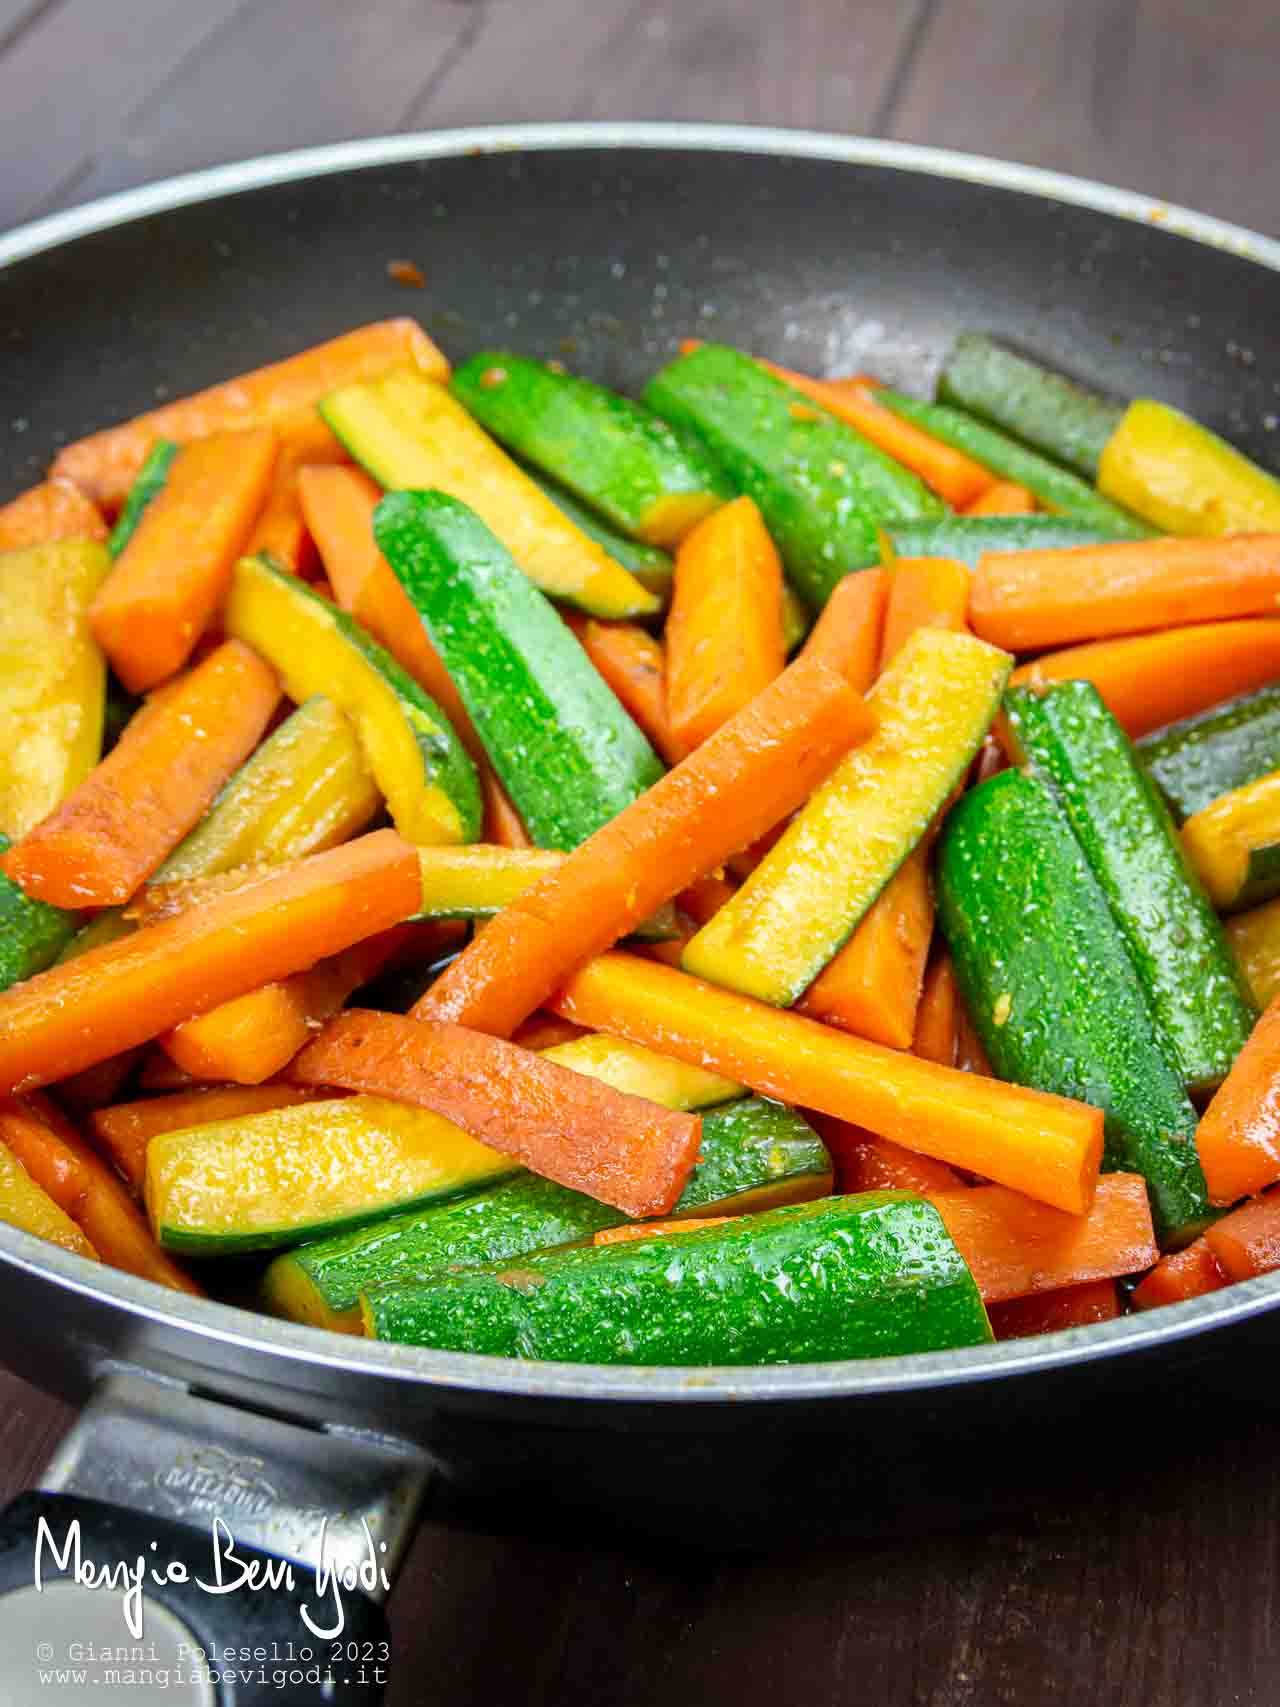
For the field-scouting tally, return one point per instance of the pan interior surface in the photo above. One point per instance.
(603, 246)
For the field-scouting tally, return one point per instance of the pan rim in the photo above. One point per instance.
(294, 165)
(300, 1346)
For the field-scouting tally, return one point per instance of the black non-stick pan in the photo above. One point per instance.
(603, 246)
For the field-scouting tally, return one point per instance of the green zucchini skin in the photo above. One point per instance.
(1046, 409)
(1197, 761)
(823, 490)
(149, 480)
(966, 538)
(610, 451)
(745, 1146)
(1053, 993)
(566, 751)
(1063, 492)
(867, 1276)
(32, 933)
(651, 566)
(1175, 939)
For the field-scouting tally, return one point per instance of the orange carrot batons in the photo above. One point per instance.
(1046, 1146)
(1247, 1242)
(133, 989)
(1049, 1312)
(1188, 1273)
(864, 1162)
(1015, 1247)
(105, 463)
(251, 1037)
(82, 1185)
(1024, 600)
(872, 986)
(110, 833)
(575, 1130)
(1238, 1138)
(953, 475)
(1005, 498)
(747, 776)
(281, 530)
(47, 513)
(724, 630)
(936, 1017)
(924, 592)
(169, 579)
(1148, 680)
(634, 665)
(848, 632)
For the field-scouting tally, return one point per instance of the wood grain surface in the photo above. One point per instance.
(1158, 1592)
(1168, 96)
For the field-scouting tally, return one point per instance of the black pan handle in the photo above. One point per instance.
(214, 1555)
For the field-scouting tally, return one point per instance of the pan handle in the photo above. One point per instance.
(214, 1554)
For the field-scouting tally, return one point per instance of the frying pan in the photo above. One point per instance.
(601, 244)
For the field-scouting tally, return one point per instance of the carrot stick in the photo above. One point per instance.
(171, 576)
(502, 823)
(971, 1057)
(872, 986)
(864, 1162)
(1015, 1247)
(105, 463)
(703, 900)
(1045, 1146)
(162, 900)
(252, 1037)
(656, 1229)
(111, 832)
(131, 990)
(577, 1131)
(544, 1031)
(1153, 679)
(81, 1183)
(634, 665)
(1247, 1242)
(1023, 600)
(1182, 1274)
(751, 773)
(924, 592)
(1005, 498)
(281, 529)
(848, 631)
(99, 1085)
(724, 629)
(1238, 1138)
(952, 475)
(935, 1038)
(159, 1073)
(338, 504)
(125, 1130)
(1050, 1312)
(44, 514)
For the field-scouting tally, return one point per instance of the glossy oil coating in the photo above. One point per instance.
(842, 1277)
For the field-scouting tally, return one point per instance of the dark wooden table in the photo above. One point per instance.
(1160, 1589)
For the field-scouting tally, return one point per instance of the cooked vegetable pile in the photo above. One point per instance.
(776, 870)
